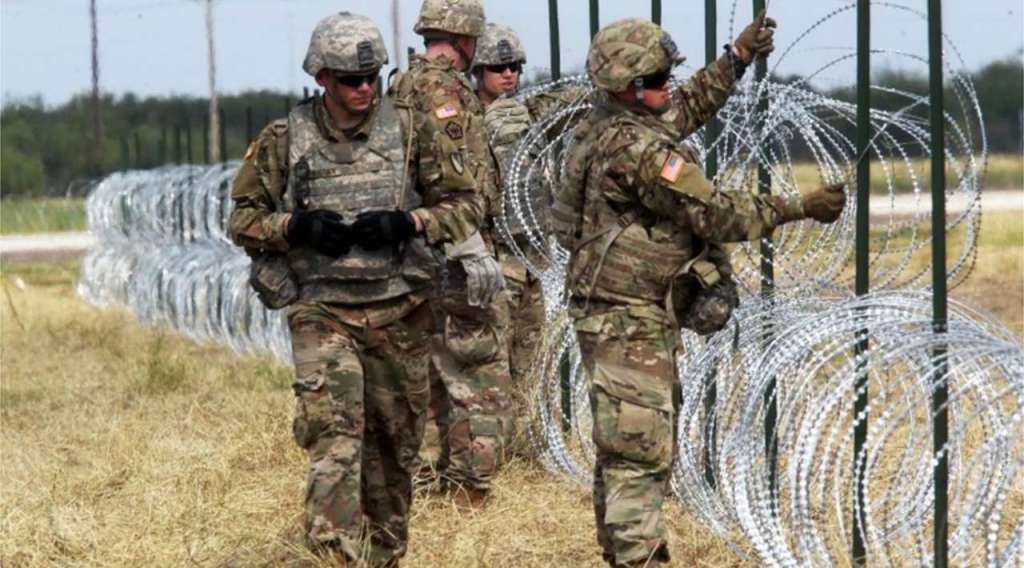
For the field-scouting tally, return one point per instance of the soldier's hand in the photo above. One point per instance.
(757, 39)
(826, 204)
(484, 279)
(375, 229)
(321, 229)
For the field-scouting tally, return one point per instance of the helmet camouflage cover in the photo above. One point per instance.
(459, 17)
(499, 45)
(627, 49)
(345, 42)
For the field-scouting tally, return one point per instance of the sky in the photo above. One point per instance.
(158, 47)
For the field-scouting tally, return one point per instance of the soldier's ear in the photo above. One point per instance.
(322, 77)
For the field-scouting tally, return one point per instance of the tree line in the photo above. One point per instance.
(46, 151)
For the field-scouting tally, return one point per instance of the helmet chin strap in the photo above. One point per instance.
(468, 58)
(638, 90)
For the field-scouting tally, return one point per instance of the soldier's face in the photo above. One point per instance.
(501, 79)
(353, 93)
(656, 99)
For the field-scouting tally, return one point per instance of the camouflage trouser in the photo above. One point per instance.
(469, 390)
(630, 357)
(526, 324)
(361, 396)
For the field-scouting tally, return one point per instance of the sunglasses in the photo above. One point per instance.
(513, 67)
(656, 80)
(356, 81)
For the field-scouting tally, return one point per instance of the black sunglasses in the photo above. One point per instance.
(356, 81)
(513, 67)
(656, 80)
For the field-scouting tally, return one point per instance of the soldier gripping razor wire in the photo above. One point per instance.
(636, 212)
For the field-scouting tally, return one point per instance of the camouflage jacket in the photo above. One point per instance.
(443, 121)
(451, 209)
(634, 198)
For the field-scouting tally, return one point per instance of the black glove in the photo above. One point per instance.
(375, 229)
(323, 230)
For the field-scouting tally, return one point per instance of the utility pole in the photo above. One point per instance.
(396, 34)
(214, 111)
(97, 121)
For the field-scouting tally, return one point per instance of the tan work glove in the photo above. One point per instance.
(826, 204)
(484, 280)
(757, 39)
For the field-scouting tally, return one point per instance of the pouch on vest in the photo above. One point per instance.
(273, 280)
(710, 298)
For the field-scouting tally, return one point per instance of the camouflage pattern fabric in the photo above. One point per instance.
(361, 395)
(526, 321)
(350, 177)
(470, 361)
(345, 42)
(499, 44)
(451, 206)
(442, 124)
(470, 392)
(629, 355)
(461, 17)
(627, 49)
(638, 171)
(691, 105)
(634, 208)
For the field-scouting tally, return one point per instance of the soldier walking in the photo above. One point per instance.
(338, 221)
(633, 206)
(469, 376)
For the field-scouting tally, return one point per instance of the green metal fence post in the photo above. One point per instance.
(556, 57)
(764, 186)
(940, 392)
(710, 169)
(656, 11)
(860, 433)
(595, 18)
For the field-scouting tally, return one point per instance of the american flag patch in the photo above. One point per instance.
(672, 168)
(447, 111)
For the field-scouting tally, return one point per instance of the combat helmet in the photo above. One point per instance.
(458, 17)
(345, 42)
(499, 45)
(627, 49)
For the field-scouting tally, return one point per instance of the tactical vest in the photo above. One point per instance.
(507, 123)
(350, 177)
(613, 259)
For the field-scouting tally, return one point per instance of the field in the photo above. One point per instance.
(127, 446)
(51, 214)
(19, 216)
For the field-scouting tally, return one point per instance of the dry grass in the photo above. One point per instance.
(1002, 172)
(125, 446)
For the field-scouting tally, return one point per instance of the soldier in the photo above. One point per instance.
(632, 206)
(497, 68)
(469, 382)
(356, 292)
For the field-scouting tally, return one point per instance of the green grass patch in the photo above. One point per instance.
(44, 215)
(1002, 172)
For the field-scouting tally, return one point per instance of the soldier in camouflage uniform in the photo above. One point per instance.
(497, 68)
(469, 376)
(631, 206)
(338, 223)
